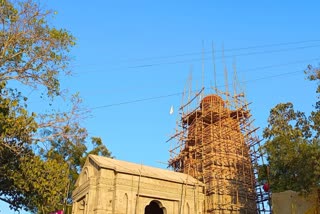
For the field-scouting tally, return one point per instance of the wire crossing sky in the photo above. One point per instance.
(133, 59)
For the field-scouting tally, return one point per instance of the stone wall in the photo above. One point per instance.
(289, 202)
(108, 191)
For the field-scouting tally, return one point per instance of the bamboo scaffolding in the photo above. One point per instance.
(217, 144)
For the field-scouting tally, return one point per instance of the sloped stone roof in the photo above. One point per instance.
(145, 171)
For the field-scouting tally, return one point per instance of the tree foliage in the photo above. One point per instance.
(41, 155)
(74, 152)
(31, 51)
(293, 146)
(26, 180)
(34, 184)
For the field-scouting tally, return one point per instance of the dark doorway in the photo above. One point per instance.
(153, 208)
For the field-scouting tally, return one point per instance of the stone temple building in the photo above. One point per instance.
(213, 169)
(109, 186)
(216, 141)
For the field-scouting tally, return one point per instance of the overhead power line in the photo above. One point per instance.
(180, 93)
(218, 51)
(136, 101)
(225, 50)
(263, 67)
(228, 56)
(280, 65)
(204, 59)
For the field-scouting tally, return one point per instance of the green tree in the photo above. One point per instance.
(293, 147)
(40, 154)
(26, 180)
(31, 51)
(74, 151)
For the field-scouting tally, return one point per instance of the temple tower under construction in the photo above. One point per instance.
(216, 144)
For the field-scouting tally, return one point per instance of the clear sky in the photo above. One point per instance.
(135, 50)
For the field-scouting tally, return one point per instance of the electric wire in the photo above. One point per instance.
(219, 50)
(202, 59)
(227, 50)
(228, 56)
(180, 93)
(279, 65)
(242, 71)
(265, 67)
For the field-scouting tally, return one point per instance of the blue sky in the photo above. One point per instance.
(135, 50)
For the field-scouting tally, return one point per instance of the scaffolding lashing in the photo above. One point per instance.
(217, 144)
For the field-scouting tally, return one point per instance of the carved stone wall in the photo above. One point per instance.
(116, 187)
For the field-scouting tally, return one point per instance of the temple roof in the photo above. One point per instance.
(143, 170)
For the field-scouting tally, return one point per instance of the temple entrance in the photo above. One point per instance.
(153, 208)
